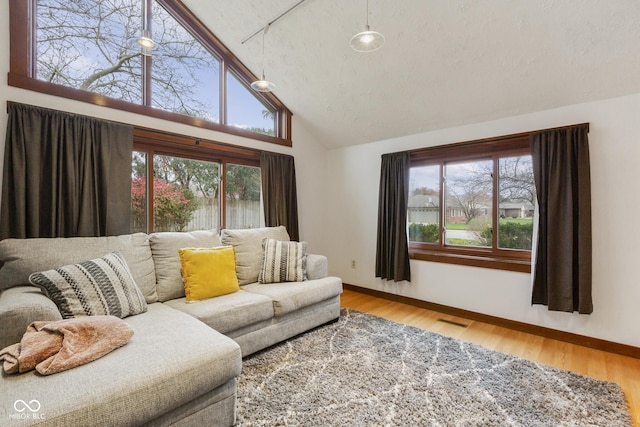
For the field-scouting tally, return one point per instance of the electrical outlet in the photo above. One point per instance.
(353, 264)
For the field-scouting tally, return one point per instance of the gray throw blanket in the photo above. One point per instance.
(51, 347)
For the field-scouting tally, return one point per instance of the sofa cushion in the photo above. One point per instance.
(283, 261)
(22, 257)
(248, 246)
(208, 272)
(164, 247)
(171, 360)
(19, 306)
(292, 296)
(317, 266)
(101, 286)
(229, 312)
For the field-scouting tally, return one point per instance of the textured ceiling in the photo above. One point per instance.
(445, 62)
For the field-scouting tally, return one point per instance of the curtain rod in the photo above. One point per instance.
(495, 138)
(268, 24)
(196, 140)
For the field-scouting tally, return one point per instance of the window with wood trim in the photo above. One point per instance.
(473, 203)
(184, 184)
(87, 50)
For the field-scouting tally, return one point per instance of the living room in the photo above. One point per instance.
(347, 115)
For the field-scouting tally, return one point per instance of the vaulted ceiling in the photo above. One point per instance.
(445, 62)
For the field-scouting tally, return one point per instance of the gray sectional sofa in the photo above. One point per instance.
(182, 363)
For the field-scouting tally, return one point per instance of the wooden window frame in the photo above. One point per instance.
(154, 142)
(22, 74)
(484, 149)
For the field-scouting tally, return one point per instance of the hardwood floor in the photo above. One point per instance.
(622, 370)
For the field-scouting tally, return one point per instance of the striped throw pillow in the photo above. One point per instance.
(101, 286)
(283, 261)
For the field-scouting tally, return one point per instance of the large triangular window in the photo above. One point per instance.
(88, 50)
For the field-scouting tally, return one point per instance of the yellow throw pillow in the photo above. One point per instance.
(208, 272)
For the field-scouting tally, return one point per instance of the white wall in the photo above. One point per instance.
(353, 179)
(308, 153)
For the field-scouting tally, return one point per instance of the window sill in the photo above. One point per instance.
(473, 260)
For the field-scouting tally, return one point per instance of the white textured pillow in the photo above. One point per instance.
(283, 261)
(101, 286)
(248, 246)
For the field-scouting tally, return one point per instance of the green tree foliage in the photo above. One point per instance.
(197, 176)
(270, 132)
(243, 182)
(138, 204)
(427, 233)
(138, 164)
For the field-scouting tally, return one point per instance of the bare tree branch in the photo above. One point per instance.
(106, 71)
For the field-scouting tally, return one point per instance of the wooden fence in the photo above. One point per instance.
(240, 214)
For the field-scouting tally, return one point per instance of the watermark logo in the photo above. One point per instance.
(27, 410)
(21, 406)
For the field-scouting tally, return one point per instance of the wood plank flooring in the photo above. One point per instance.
(622, 370)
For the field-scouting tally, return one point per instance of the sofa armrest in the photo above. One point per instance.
(316, 266)
(19, 307)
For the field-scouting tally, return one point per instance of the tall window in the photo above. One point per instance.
(473, 203)
(517, 199)
(88, 50)
(424, 204)
(192, 187)
(468, 194)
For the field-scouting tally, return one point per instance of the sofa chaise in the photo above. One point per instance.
(182, 363)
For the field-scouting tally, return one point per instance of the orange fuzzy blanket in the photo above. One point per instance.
(51, 347)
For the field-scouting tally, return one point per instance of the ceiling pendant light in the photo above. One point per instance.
(263, 85)
(368, 40)
(145, 40)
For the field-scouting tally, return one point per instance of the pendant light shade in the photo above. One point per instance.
(263, 85)
(367, 40)
(145, 40)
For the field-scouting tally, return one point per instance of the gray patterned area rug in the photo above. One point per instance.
(367, 371)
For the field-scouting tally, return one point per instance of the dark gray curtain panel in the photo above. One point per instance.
(64, 175)
(392, 250)
(562, 270)
(279, 192)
